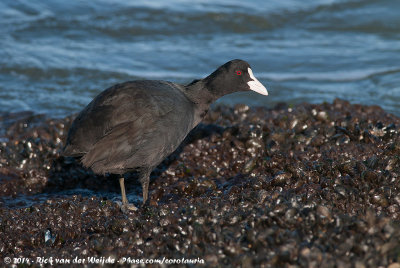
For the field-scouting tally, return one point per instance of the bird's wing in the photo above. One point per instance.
(140, 130)
(122, 103)
(109, 153)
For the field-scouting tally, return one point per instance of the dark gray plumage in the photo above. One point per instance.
(135, 125)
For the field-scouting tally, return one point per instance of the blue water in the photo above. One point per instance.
(57, 55)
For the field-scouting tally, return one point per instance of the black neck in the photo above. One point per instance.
(199, 93)
(209, 89)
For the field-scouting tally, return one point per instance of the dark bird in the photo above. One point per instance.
(133, 126)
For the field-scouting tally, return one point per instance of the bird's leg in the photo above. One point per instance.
(145, 191)
(144, 178)
(125, 204)
(122, 185)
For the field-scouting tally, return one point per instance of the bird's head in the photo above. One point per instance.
(234, 76)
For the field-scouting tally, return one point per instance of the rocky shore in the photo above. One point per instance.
(303, 186)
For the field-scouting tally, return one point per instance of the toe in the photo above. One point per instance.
(126, 208)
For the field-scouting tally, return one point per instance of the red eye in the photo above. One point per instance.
(238, 72)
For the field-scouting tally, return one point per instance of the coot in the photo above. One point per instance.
(133, 126)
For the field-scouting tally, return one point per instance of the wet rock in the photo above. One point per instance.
(281, 178)
(300, 186)
(323, 212)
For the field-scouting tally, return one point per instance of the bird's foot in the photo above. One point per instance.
(127, 207)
